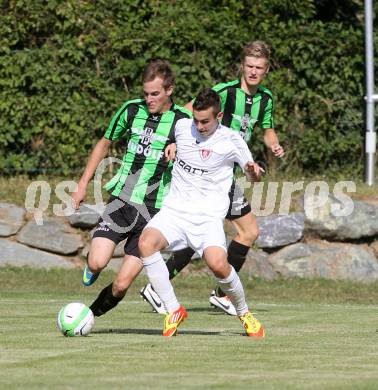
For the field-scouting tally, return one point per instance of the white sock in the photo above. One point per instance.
(233, 288)
(158, 275)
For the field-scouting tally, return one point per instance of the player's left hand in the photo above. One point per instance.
(253, 171)
(277, 150)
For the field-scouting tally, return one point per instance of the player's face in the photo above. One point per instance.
(206, 122)
(158, 98)
(254, 70)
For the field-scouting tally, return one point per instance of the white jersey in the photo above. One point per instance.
(203, 170)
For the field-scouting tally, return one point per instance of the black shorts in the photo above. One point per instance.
(239, 205)
(122, 220)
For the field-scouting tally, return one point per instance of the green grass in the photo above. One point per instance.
(320, 335)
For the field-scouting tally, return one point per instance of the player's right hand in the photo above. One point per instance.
(277, 150)
(170, 152)
(254, 171)
(77, 197)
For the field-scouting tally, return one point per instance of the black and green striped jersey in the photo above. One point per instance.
(241, 112)
(144, 175)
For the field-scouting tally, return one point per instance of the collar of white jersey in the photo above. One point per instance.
(200, 138)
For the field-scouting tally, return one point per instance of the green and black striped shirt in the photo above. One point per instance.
(144, 175)
(241, 112)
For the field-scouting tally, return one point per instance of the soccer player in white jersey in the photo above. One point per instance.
(195, 207)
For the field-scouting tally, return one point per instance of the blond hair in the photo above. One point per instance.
(259, 49)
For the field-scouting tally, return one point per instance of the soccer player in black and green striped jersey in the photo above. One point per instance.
(141, 183)
(245, 104)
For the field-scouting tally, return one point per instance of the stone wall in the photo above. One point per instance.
(305, 244)
(58, 242)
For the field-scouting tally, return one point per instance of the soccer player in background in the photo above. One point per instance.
(245, 104)
(138, 188)
(194, 209)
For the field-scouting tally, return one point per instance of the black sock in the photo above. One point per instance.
(236, 253)
(105, 301)
(178, 261)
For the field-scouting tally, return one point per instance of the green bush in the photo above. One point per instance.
(66, 66)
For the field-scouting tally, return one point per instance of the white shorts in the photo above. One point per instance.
(183, 230)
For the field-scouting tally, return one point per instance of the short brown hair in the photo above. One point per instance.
(259, 49)
(207, 98)
(158, 67)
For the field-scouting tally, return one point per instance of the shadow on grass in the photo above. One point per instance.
(156, 332)
(209, 310)
(254, 310)
(216, 311)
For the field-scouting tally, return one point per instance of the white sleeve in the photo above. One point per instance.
(240, 152)
(178, 127)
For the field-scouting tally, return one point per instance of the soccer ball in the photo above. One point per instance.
(75, 319)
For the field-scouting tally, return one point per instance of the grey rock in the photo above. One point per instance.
(11, 219)
(84, 252)
(280, 230)
(119, 249)
(54, 236)
(115, 264)
(18, 255)
(374, 247)
(91, 233)
(326, 260)
(86, 217)
(322, 221)
(257, 265)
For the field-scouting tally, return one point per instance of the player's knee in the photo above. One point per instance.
(95, 264)
(146, 244)
(250, 235)
(220, 268)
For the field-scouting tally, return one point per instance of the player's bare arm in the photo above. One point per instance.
(98, 154)
(272, 143)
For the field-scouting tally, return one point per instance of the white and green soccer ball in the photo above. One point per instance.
(75, 319)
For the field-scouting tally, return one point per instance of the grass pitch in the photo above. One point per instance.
(320, 335)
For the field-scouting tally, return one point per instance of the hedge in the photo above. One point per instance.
(66, 66)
